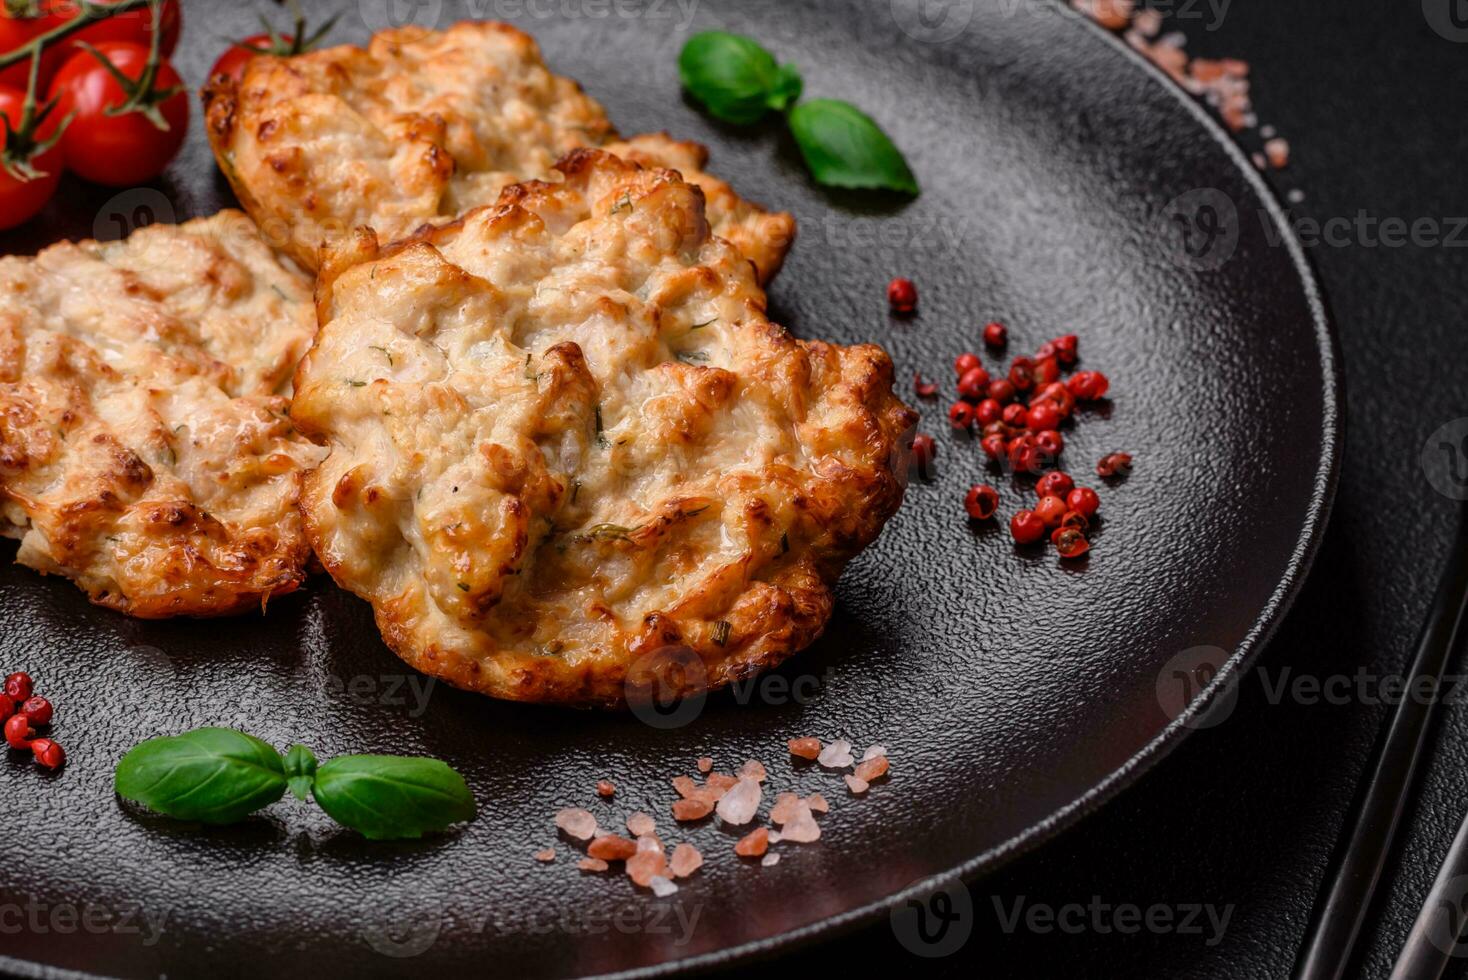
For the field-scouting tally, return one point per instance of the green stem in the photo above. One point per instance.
(91, 12)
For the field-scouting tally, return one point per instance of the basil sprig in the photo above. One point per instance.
(843, 147)
(738, 81)
(220, 776)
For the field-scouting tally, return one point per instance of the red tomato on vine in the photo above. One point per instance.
(30, 162)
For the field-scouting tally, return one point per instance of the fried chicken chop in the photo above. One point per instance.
(144, 447)
(565, 439)
(422, 126)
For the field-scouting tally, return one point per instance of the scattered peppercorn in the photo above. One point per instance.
(18, 732)
(961, 415)
(48, 753)
(923, 450)
(1115, 464)
(1014, 414)
(7, 706)
(902, 296)
(1001, 390)
(973, 384)
(1026, 528)
(923, 389)
(994, 446)
(1055, 484)
(1070, 542)
(1050, 510)
(1042, 416)
(964, 363)
(1022, 373)
(18, 685)
(995, 335)
(981, 502)
(1083, 500)
(989, 411)
(37, 709)
(1051, 443)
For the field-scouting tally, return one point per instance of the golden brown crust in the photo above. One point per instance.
(144, 447)
(570, 453)
(420, 127)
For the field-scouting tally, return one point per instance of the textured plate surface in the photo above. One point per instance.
(1013, 693)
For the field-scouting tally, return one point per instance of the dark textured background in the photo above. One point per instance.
(1243, 814)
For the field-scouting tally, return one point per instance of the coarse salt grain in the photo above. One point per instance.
(686, 810)
(805, 748)
(592, 864)
(576, 822)
(719, 781)
(662, 887)
(605, 787)
(818, 803)
(774, 837)
(754, 843)
(1277, 151)
(873, 752)
(801, 828)
(649, 844)
(610, 847)
(872, 769)
(856, 784)
(640, 823)
(753, 769)
(686, 859)
(547, 855)
(644, 866)
(739, 805)
(705, 764)
(784, 807)
(837, 755)
(769, 860)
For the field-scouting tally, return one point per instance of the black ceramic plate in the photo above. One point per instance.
(1067, 187)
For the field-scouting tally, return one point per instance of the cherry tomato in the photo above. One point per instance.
(236, 56)
(135, 26)
(122, 150)
(21, 200)
(16, 30)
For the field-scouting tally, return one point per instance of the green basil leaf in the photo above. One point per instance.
(388, 796)
(214, 775)
(843, 147)
(300, 771)
(737, 80)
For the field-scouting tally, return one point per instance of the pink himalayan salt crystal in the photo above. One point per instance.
(605, 788)
(546, 856)
(855, 783)
(872, 769)
(739, 805)
(686, 859)
(662, 887)
(805, 748)
(770, 860)
(873, 752)
(837, 755)
(639, 824)
(577, 822)
(649, 844)
(774, 837)
(610, 847)
(754, 843)
(705, 764)
(690, 790)
(1148, 22)
(644, 866)
(1277, 151)
(686, 810)
(818, 803)
(720, 781)
(753, 769)
(591, 864)
(784, 807)
(801, 828)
